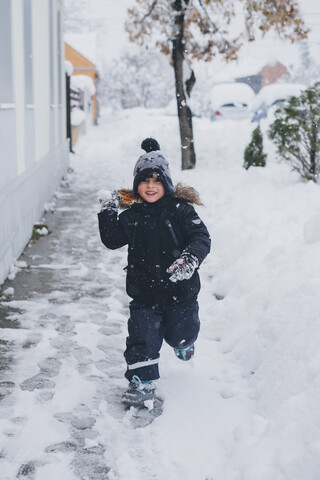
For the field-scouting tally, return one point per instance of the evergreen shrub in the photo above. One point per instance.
(296, 132)
(253, 154)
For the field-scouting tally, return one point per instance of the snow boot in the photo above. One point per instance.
(138, 392)
(184, 353)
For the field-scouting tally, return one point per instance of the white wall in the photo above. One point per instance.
(59, 87)
(18, 74)
(7, 101)
(41, 70)
(55, 102)
(31, 163)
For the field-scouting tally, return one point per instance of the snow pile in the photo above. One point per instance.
(78, 116)
(83, 82)
(312, 229)
(237, 93)
(16, 267)
(274, 92)
(68, 67)
(7, 294)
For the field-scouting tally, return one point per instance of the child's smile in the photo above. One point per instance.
(151, 190)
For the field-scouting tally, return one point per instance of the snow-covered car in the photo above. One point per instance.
(230, 101)
(270, 95)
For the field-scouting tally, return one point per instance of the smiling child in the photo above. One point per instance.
(167, 242)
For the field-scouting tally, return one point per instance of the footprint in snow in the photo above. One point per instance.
(49, 367)
(63, 345)
(27, 471)
(6, 388)
(38, 381)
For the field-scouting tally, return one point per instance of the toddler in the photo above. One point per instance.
(167, 242)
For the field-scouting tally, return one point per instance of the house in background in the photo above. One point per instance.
(84, 67)
(270, 73)
(34, 147)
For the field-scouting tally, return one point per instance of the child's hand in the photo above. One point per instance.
(184, 267)
(108, 200)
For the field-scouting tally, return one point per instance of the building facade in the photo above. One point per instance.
(34, 149)
(83, 66)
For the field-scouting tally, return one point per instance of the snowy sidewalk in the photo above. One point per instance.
(230, 414)
(63, 343)
(60, 339)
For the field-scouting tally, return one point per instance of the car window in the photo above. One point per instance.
(279, 100)
(234, 105)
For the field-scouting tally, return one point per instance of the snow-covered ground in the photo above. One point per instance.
(247, 406)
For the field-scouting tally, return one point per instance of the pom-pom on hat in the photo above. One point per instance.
(152, 161)
(150, 145)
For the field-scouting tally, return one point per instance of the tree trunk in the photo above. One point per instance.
(188, 157)
(312, 161)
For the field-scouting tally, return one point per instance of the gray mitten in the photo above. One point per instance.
(184, 267)
(108, 200)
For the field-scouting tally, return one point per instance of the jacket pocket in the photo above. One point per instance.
(137, 282)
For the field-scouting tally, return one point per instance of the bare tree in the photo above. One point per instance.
(137, 78)
(200, 29)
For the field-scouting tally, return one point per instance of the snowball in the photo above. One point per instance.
(148, 404)
(42, 231)
(104, 196)
(8, 292)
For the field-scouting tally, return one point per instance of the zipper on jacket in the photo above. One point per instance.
(134, 234)
(173, 234)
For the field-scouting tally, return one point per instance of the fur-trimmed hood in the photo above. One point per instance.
(182, 191)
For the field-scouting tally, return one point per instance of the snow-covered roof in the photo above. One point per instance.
(231, 93)
(276, 91)
(84, 43)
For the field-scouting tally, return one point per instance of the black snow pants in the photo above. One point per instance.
(178, 325)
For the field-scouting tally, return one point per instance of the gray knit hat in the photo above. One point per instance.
(152, 161)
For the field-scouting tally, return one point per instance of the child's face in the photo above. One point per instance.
(151, 190)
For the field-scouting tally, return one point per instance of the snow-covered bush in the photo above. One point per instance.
(75, 15)
(83, 82)
(253, 154)
(308, 72)
(139, 78)
(296, 132)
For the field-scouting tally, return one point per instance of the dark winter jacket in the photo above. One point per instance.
(156, 234)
